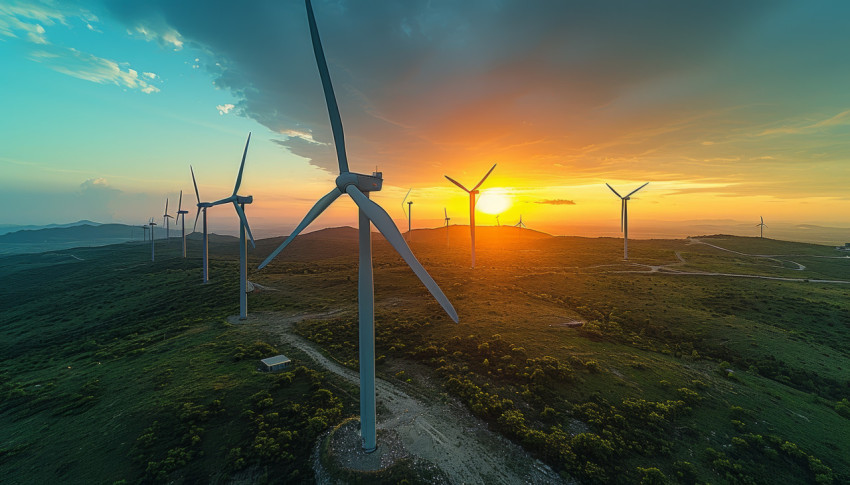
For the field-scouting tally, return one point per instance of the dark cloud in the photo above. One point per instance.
(435, 83)
(556, 202)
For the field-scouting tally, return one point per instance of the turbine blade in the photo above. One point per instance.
(330, 99)
(180, 203)
(196, 219)
(242, 166)
(312, 214)
(197, 195)
(485, 177)
(402, 202)
(225, 200)
(244, 222)
(384, 223)
(445, 213)
(633, 191)
(612, 190)
(456, 183)
(166, 206)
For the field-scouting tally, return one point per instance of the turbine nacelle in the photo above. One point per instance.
(244, 199)
(363, 182)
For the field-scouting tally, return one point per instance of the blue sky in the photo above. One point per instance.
(731, 109)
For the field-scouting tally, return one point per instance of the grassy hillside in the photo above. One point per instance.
(115, 368)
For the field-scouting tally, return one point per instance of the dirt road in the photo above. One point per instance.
(445, 434)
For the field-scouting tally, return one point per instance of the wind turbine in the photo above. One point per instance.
(239, 202)
(358, 186)
(520, 223)
(408, 213)
(472, 193)
(152, 223)
(624, 217)
(497, 221)
(446, 214)
(165, 218)
(202, 206)
(181, 214)
(761, 227)
(144, 232)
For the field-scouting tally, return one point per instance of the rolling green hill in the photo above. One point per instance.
(682, 365)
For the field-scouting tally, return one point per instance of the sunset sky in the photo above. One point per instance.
(731, 110)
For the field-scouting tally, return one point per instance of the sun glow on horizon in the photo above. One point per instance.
(494, 201)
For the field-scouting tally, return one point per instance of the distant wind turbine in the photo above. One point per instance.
(520, 224)
(761, 227)
(446, 214)
(205, 247)
(165, 218)
(239, 202)
(144, 232)
(152, 223)
(358, 186)
(497, 221)
(624, 217)
(472, 193)
(181, 214)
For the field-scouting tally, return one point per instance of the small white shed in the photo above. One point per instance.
(276, 363)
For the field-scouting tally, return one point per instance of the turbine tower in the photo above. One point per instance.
(407, 213)
(239, 202)
(472, 193)
(205, 247)
(358, 186)
(181, 214)
(165, 218)
(624, 217)
(144, 232)
(152, 223)
(520, 223)
(761, 227)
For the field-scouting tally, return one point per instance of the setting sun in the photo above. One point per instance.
(494, 201)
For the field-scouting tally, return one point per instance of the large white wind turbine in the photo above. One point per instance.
(472, 193)
(165, 218)
(239, 202)
(205, 247)
(624, 217)
(358, 186)
(181, 215)
(761, 227)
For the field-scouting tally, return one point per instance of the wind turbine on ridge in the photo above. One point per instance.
(408, 213)
(152, 223)
(624, 217)
(761, 227)
(181, 215)
(239, 202)
(165, 218)
(472, 193)
(520, 224)
(358, 186)
(447, 218)
(205, 247)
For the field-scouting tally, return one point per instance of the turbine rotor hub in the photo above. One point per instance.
(365, 183)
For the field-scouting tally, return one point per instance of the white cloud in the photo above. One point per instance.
(299, 134)
(149, 75)
(169, 37)
(223, 109)
(92, 68)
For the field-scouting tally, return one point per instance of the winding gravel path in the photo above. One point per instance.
(445, 434)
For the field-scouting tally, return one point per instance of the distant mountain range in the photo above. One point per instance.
(7, 228)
